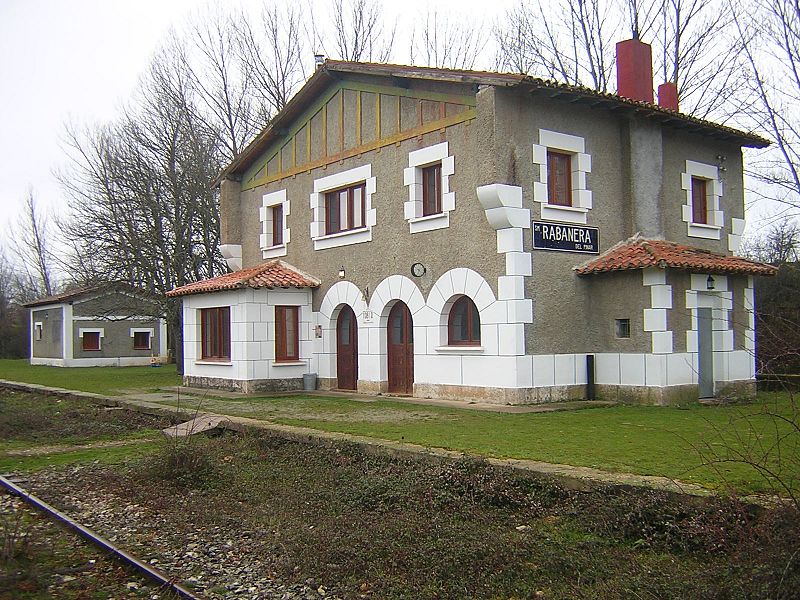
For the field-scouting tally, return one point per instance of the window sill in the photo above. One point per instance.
(211, 361)
(135, 348)
(460, 349)
(706, 226)
(343, 238)
(575, 209)
(429, 222)
(288, 363)
(338, 234)
(274, 251)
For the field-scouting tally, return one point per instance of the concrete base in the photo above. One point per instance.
(247, 386)
(493, 395)
(121, 361)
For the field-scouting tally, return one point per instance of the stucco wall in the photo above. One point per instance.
(112, 305)
(116, 341)
(468, 242)
(50, 346)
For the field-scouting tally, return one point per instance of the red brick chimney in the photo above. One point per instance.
(668, 96)
(635, 70)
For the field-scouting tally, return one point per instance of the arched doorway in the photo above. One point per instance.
(400, 349)
(346, 349)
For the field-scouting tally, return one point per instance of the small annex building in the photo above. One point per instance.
(472, 235)
(96, 326)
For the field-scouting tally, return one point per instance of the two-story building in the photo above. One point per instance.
(474, 235)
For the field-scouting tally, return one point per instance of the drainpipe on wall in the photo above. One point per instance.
(590, 391)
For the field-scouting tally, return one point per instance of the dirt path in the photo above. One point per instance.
(58, 449)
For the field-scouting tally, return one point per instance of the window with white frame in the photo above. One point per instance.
(91, 339)
(563, 164)
(142, 337)
(38, 328)
(701, 211)
(428, 180)
(274, 230)
(342, 208)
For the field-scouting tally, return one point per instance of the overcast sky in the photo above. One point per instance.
(79, 60)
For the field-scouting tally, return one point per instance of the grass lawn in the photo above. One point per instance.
(630, 439)
(37, 432)
(101, 380)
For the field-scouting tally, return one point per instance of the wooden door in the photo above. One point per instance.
(400, 341)
(346, 349)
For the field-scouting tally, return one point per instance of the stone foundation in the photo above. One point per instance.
(248, 386)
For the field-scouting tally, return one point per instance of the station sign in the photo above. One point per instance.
(564, 237)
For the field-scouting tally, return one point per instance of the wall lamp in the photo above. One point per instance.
(710, 283)
(342, 272)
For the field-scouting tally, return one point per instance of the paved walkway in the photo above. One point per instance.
(358, 397)
(570, 476)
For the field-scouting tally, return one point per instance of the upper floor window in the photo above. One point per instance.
(699, 201)
(215, 333)
(274, 231)
(702, 208)
(345, 208)
(341, 204)
(562, 191)
(277, 224)
(464, 324)
(430, 198)
(287, 333)
(432, 189)
(559, 178)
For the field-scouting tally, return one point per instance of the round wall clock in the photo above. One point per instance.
(418, 269)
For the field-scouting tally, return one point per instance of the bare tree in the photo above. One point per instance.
(359, 33)
(272, 53)
(771, 29)
(13, 318)
(142, 183)
(35, 237)
(567, 40)
(447, 42)
(221, 85)
(573, 41)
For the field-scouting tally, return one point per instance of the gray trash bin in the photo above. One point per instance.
(309, 382)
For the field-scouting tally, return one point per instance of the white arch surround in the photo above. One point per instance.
(340, 293)
(396, 287)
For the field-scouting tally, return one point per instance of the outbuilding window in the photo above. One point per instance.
(91, 340)
(141, 340)
(215, 333)
(287, 333)
(464, 323)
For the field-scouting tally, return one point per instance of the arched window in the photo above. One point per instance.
(464, 324)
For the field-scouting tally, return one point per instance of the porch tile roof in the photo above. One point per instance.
(640, 253)
(271, 274)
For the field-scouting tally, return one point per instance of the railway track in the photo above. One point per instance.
(165, 583)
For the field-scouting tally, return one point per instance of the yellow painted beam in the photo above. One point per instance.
(463, 117)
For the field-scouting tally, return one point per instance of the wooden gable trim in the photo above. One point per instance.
(463, 117)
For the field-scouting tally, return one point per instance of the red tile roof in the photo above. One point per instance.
(331, 70)
(272, 274)
(640, 253)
